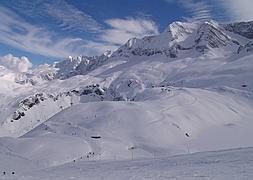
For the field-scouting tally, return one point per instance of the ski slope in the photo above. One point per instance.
(221, 165)
(161, 122)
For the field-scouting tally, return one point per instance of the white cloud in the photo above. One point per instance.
(16, 64)
(97, 48)
(123, 29)
(120, 31)
(239, 10)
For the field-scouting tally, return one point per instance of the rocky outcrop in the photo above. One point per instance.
(33, 100)
(246, 48)
(242, 28)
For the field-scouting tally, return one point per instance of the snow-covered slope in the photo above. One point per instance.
(161, 120)
(188, 89)
(222, 165)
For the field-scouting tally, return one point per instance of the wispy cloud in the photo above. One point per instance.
(123, 29)
(16, 32)
(70, 17)
(235, 10)
(198, 9)
(238, 10)
(66, 15)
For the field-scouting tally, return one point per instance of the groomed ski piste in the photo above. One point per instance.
(174, 106)
(230, 164)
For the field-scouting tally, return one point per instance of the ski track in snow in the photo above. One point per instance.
(165, 110)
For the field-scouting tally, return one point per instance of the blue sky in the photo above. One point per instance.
(49, 30)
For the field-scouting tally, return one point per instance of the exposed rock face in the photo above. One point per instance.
(246, 48)
(33, 100)
(243, 28)
(210, 35)
(78, 66)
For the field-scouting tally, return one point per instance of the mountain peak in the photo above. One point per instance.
(181, 39)
(178, 30)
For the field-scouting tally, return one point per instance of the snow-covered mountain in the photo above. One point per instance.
(187, 89)
(179, 40)
(183, 40)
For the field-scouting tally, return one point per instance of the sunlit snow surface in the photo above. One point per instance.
(222, 165)
(167, 106)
